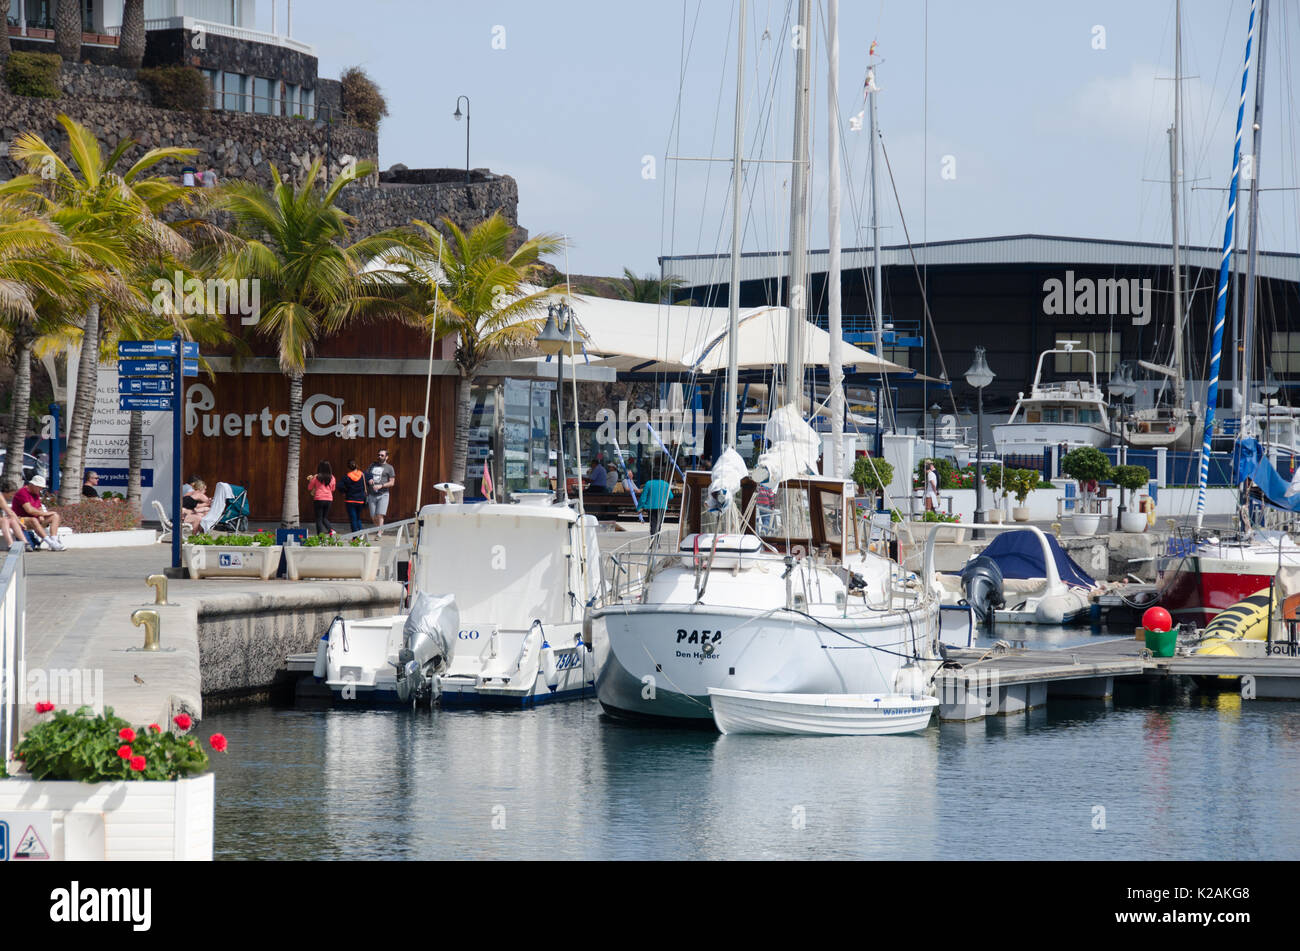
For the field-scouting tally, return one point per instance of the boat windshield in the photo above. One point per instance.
(806, 513)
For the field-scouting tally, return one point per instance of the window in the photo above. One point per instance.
(233, 92)
(292, 99)
(900, 355)
(1104, 345)
(262, 96)
(309, 104)
(1286, 353)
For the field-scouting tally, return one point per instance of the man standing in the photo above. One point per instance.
(655, 496)
(931, 488)
(380, 478)
(29, 507)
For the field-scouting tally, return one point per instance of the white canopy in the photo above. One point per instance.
(663, 338)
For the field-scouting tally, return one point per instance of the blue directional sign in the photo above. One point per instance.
(154, 348)
(147, 404)
(161, 385)
(164, 367)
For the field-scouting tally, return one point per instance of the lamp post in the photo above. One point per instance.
(979, 376)
(934, 430)
(456, 115)
(556, 339)
(1122, 386)
(1268, 388)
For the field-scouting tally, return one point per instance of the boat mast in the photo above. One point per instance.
(1252, 230)
(1220, 296)
(737, 190)
(798, 289)
(1180, 377)
(834, 323)
(877, 290)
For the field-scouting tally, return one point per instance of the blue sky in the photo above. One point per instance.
(1046, 133)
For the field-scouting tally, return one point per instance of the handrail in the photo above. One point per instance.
(1053, 577)
(13, 648)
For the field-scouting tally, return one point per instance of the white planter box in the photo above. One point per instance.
(131, 538)
(331, 562)
(1086, 524)
(231, 561)
(144, 821)
(1134, 522)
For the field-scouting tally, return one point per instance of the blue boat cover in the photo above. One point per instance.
(1020, 555)
(1246, 454)
(1274, 487)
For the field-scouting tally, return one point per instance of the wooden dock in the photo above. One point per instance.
(997, 683)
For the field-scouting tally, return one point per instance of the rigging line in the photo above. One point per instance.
(717, 118)
(925, 299)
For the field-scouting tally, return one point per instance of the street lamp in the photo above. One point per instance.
(979, 376)
(556, 339)
(934, 430)
(456, 115)
(1122, 386)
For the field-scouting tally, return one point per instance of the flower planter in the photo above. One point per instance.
(331, 562)
(1134, 522)
(1020, 513)
(995, 516)
(951, 532)
(150, 821)
(232, 561)
(1086, 524)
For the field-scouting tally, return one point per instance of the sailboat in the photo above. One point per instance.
(769, 588)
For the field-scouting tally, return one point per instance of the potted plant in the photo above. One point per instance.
(1021, 482)
(100, 789)
(327, 556)
(953, 531)
(994, 480)
(232, 556)
(872, 476)
(1086, 465)
(1131, 478)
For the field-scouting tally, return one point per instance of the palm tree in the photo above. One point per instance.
(5, 48)
(115, 219)
(648, 289)
(479, 299)
(295, 242)
(67, 37)
(130, 43)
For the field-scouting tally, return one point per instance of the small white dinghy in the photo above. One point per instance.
(820, 714)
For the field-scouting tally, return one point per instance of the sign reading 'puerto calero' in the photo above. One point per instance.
(1098, 297)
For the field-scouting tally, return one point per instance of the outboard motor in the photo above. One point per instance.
(428, 645)
(981, 580)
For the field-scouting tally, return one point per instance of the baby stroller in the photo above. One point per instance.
(234, 514)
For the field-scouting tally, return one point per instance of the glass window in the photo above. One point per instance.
(1051, 414)
(292, 105)
(1286, 353)
(833, 517)
(1067, 415)
(1105, 345)
(233, 92)
(789, 514)
(309, 103)
(262, 96)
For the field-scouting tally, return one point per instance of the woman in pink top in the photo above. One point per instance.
(321, 487)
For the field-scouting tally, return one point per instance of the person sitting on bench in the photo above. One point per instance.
(34, 514)
(10, 525)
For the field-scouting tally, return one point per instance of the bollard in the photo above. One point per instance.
(159, 584)
(152, 627)
(1056, 529)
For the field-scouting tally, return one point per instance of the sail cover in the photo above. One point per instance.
(1020, 555)
(1274, 487)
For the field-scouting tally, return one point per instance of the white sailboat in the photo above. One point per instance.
(768, 587)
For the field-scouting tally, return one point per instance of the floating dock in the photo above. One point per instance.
(1002, 681)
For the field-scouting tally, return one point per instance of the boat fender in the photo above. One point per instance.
(549, 668)
(586, 626)
(322, 652)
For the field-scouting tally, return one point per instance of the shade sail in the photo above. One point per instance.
(663, 338)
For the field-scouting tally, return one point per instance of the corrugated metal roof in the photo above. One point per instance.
(708, 269)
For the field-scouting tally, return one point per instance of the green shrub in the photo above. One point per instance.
(1021, 482)
(332, 541)
(256, 540)
(76, 747)
(34, 74)
(1085, 464)
(872, 475)
(98, 515)
(1131, 477)
(177, 87)
(363, 103)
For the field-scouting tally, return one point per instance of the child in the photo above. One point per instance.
(321, 487)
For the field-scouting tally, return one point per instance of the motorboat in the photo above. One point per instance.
(1065, 412)
(519, 576)
(801, 714)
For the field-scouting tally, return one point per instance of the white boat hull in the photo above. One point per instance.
(742, 711)
(1030, 437)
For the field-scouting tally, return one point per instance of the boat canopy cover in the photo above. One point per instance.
(1274, 487)
(1020, 555)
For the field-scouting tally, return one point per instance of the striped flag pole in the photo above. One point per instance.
(1221, 299)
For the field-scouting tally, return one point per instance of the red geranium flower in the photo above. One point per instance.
(155, 727)
(44, 707)
(218, 742)
(183, 721)
(126, 733)
(124, 752)
(138, 763)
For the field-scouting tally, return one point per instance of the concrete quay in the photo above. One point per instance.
(222, 640)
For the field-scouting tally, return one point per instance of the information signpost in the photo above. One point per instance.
(150, 379)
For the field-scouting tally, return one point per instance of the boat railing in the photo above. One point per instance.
(629, 567)
(390, 556)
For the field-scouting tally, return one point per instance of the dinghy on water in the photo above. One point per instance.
(1023, 577)
(813, 714)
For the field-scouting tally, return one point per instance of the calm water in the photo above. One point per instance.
(1180, 775)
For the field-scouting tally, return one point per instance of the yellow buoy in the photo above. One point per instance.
(1246, 620)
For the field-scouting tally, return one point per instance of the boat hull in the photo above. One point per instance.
(1029, 437)
(740, 711)
(659, 661)
(1196, 588)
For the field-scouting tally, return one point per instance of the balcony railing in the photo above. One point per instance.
(44, 33)
(213, 28)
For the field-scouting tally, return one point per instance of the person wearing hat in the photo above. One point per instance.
(34, 515)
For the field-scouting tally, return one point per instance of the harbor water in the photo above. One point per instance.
(1160, 772)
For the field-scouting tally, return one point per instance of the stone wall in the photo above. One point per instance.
(172, 47)
(238, 145)
(394, 205)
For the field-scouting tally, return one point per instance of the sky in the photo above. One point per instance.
(1000, 117)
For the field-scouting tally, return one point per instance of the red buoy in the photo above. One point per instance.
(1157, 619)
